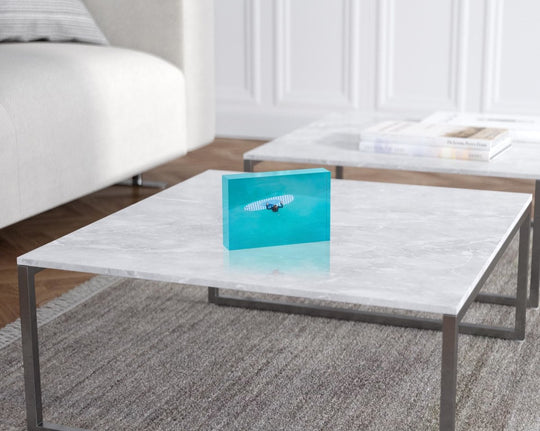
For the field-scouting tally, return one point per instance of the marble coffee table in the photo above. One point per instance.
(333, 141)
(431, 252)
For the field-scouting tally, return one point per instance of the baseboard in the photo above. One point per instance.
(254, 123)
(257, 124)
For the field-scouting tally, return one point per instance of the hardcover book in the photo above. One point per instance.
(524, 128)
(275, 208)
(439, 134)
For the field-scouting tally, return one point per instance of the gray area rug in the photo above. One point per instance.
(156, 356)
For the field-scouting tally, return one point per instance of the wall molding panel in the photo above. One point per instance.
(492, 56)
(286, 95)
(498, 42)
(250, 92)
(303, 58)
(387, 97)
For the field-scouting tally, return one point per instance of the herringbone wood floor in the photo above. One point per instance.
(221, 154)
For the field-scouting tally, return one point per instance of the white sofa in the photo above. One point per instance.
(75, 118)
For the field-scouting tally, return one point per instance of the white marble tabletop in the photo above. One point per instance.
(334, 141)
(409, 247)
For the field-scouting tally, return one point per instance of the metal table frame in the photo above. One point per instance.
(451, 325)
(534, 296)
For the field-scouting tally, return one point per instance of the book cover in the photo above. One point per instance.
(523, 128)
(275, 208)
(440, 134)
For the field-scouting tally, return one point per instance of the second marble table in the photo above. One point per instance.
(333, 141)
(400, 247)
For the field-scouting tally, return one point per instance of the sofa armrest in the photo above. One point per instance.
(180, 31)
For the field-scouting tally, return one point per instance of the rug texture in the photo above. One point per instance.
(156, 356)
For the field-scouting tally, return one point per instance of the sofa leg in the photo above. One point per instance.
(137, 181)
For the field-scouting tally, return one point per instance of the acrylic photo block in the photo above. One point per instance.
(265, 209)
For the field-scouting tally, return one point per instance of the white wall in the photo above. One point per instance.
(283, 63)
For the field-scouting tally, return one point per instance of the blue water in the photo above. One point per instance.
(305, 219)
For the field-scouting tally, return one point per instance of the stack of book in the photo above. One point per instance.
(435, 139)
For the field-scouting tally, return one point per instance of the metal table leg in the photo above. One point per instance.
(138, 181)
(535, 259)
(447, 419)
(30, 347)
(32, 380)
(213, 295)
(522, 279)
(249, 165)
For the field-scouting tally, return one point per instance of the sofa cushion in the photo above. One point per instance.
(52, 20)
(92, 116)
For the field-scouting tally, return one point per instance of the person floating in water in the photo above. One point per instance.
(274, 207)
(273, 203)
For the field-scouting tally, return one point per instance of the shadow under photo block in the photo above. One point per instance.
(276, 208)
